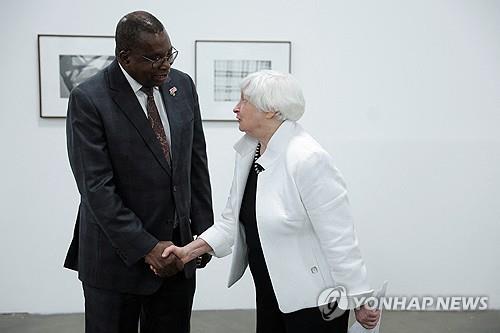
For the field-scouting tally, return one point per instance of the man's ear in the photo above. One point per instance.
(124, 57)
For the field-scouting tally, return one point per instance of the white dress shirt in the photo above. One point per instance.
(143, 100)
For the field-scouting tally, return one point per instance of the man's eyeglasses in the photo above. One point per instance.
(158, 61)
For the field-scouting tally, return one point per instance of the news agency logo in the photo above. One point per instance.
(332, 303)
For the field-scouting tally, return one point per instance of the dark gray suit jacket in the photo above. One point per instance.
(129, 195)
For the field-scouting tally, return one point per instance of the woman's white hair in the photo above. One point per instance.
(272, 91)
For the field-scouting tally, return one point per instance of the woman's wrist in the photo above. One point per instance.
(197, 248)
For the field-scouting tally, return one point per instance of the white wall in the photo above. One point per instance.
(404, 94)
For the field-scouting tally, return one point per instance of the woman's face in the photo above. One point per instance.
(249, 117)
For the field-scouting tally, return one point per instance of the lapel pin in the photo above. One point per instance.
(172, 91)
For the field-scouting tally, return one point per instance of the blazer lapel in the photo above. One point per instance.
(245, 149)
(125, 98)
(243, 165)
(240, 259)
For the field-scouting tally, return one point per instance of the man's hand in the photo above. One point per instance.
(163, 266)
(366, 317)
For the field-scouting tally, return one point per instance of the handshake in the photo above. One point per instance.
(166, 259)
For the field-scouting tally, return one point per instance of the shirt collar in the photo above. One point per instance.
(136, 86)
(275, 146)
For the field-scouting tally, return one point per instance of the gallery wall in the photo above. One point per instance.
(404, 95)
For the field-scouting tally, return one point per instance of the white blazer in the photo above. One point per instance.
(303, 218)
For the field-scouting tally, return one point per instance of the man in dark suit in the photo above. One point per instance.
(137, 150)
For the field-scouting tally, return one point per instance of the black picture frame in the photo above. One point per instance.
(63, 62)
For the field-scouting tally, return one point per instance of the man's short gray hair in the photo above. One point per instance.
(272, 91)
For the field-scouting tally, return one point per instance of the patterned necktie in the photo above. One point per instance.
(155, 121)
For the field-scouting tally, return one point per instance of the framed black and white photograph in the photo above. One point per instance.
(221, 65)
(64, 62)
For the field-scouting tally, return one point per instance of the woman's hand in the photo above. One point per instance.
(179, 252)
(368, 318)
(191, 251)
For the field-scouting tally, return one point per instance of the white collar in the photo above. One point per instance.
(247, 144)
(136, 86)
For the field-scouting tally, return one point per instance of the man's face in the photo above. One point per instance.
(153, 46)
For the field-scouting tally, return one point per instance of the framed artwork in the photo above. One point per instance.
(221, 65)
(64, 61)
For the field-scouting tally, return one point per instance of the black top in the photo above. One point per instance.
(263, 286)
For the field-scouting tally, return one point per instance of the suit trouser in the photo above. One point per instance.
(167, 310)
(271, 320)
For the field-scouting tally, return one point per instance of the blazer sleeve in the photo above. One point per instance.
(93, 172)
(221, 235)
(201, 214)
(324, 196)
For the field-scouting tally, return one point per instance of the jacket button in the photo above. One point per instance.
(314, 270)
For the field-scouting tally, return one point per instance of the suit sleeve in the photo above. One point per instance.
(324, 196)
(201, 213)
(93, 172)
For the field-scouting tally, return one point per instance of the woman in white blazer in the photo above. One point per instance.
(287, 215)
